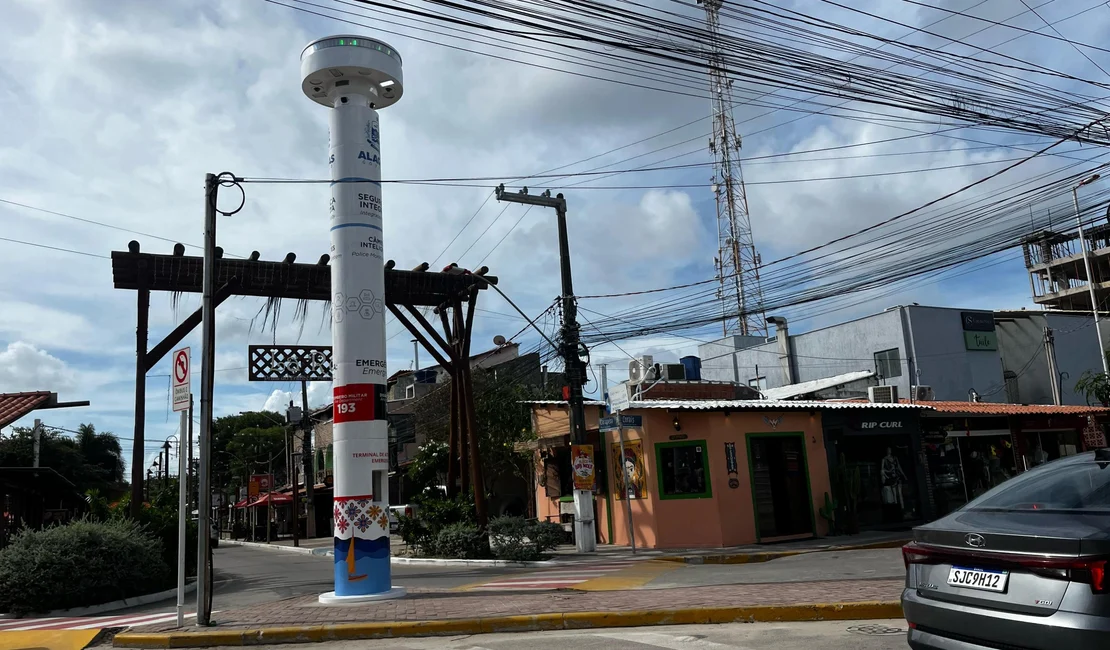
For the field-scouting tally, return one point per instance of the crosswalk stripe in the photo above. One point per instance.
(671, 642)
(89, 622)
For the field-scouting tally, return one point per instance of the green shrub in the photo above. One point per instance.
(462, 541)
(434, 514)
(80, 564)
(522, 540)
(159, 519)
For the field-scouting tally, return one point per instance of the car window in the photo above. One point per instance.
(1073, 486)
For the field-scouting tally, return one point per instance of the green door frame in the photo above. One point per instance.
(751, 476)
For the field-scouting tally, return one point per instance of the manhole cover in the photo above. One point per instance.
(876, 630)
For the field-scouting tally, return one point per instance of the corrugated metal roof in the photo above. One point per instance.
(15, 405)
(562, 402)
(767, 405)
(784, 392)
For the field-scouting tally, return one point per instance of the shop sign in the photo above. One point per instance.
(977, 321)
(582, 462)
(730, 465)
(881, 424)
(981, 340)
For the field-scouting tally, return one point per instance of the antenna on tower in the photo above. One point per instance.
(737, 261)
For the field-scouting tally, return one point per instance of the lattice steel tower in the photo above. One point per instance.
(737, 260)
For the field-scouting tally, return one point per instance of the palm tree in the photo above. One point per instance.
(102, 451)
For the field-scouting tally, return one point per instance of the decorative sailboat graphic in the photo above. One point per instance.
(351, 563)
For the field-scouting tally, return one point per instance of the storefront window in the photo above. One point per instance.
(1039, 447)
(946, 478)
(888, 481)
(683, 470)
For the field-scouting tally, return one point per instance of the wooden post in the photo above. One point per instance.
(137, 461)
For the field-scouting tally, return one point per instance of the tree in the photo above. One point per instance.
(102, 451)
(92, 461)
(1094, 385)
(225, 472)
(254, 450)
(503, 420)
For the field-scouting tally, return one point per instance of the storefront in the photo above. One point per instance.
(882, 447)
(716, 473)
(971, 447)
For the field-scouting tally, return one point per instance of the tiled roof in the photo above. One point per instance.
(985, 408)
(768, 405)
(15, 405)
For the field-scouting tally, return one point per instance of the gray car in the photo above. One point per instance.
(1022, 567)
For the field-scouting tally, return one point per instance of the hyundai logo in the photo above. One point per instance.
(976, 540)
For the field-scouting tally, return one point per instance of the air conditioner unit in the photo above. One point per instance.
(923, 393)
(640, 370)
(882, 394)
(673, 372)
(410, 391)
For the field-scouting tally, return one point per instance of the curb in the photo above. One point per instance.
(416, 561)
(114, 605)
(532, 623)
(767, 556)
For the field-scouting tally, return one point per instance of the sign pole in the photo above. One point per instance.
(182, 513)
(182, 403)
(621, 402)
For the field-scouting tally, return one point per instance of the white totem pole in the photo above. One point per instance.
(354, 76)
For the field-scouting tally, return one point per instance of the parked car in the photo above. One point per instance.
(409, 509)
(213, 529)
(1022, 567)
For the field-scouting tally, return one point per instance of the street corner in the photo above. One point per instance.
(47, 639)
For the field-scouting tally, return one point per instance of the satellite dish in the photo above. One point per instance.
(499, 340)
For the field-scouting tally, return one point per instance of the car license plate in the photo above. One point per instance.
(978, 579)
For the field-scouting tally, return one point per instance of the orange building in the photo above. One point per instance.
(703, 473)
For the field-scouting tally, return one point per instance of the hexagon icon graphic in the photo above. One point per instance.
(339, 314)
(366, 296)
(353, 303)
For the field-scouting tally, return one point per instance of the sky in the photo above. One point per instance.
(114, 111)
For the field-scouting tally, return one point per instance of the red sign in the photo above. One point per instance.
(582, 462)
(264, 481)
(353, 403)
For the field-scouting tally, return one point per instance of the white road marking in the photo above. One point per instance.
(668, 641)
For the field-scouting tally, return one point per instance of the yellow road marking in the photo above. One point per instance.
(635, 575)
(47, 639)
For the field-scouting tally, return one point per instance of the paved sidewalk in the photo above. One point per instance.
(438, 605)
(740, 554)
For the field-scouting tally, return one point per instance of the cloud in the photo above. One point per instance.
(24, 367)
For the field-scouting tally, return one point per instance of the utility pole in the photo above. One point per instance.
(415, 355)
(166, 463)
(584, 524)
(1053, 371)
(269, 496)
(37, 442)
(737, 260)
(309, 475)
(208, 352)
(189, 451)
(1090, 276)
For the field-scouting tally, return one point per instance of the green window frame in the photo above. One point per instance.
(660, 468)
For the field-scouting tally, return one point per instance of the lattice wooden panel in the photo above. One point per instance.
(290, 363)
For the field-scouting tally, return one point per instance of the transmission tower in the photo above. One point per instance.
(737, 261)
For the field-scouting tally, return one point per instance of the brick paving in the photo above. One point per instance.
(431, 604)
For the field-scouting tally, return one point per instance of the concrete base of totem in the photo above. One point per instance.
(330, 598)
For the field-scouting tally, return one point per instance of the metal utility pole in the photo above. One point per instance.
(309, 475)
(737, 260)
(189, 451)
(292, 475)
(415, 354)
(208, 352)
(37, 442)
(166, 464)
(584, 524)
(1087, 266)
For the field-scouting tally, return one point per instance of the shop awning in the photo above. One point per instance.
(275, 498)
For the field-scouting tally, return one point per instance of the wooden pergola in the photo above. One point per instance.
(452, 294)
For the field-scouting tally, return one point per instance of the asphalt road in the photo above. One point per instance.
(244, 576)
(838, 635)
(832, 565)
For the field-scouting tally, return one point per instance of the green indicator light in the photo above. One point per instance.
(354, 42)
